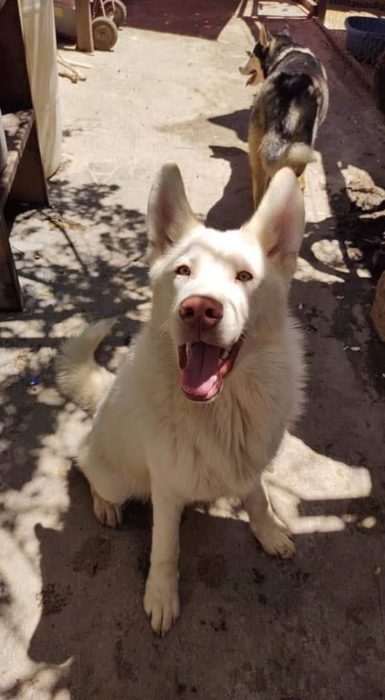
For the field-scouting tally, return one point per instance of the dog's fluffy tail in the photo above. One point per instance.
(300, 154)
(78, 375)
(277, 151)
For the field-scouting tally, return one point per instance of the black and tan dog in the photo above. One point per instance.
(290, 104)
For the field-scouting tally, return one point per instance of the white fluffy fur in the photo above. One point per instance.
(147, 438)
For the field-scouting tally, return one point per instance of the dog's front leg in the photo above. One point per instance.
(265, 526)
(161, 598)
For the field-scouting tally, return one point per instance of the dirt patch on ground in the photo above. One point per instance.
(93, 556)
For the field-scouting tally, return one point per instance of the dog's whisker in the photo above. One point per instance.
(165, 327)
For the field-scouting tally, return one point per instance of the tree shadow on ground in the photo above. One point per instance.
(65, 279)
(82, 258)
(273, 628)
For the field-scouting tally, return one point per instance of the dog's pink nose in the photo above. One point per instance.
(202, 311)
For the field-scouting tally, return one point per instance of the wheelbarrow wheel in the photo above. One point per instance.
(105, 33)
(116, 11)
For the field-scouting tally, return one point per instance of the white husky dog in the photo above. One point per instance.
(199, 406)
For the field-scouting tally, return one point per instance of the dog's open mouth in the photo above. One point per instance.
(251, 77)
(204, 368)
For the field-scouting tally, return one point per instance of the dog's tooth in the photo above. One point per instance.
(225, 354)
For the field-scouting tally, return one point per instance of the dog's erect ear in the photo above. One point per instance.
(285, 30)
(169, 214)
(264, 35)
(279, 221)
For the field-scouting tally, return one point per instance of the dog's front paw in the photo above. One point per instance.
(161, 600)
(107, 513)
(274, 536)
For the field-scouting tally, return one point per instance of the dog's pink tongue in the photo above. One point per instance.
(200, 373)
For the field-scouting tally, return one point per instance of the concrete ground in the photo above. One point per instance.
(72, 625)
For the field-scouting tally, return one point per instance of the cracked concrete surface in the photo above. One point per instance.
(72, 625)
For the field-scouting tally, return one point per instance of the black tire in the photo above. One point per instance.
(116, 11)
(105, 33)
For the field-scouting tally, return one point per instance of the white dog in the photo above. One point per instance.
(199, 407)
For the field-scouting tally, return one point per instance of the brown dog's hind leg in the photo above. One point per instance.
(258, 175)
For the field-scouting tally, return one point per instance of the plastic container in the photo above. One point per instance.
(40, 48)
(365, 37)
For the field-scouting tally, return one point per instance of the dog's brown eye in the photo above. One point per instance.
(244, 276)
(183, 270)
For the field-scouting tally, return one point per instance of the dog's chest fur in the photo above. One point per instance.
(217, 449)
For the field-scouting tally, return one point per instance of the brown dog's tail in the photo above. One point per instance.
(299, 155)
(278, 153)
(78, 375)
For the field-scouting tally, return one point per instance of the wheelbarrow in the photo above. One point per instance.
(107, 17)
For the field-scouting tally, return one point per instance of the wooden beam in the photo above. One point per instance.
(10, 294)
(84, 38)
(322, 6)
(17, 127)
(310, 6)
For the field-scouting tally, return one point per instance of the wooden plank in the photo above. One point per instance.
(29, 185)
(321, 9)
(274, 9)
(84, 37)
(17, 127)
(310, 6)
(10, 293)
(22, 181)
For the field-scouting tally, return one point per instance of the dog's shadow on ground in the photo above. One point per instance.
(235, 205)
